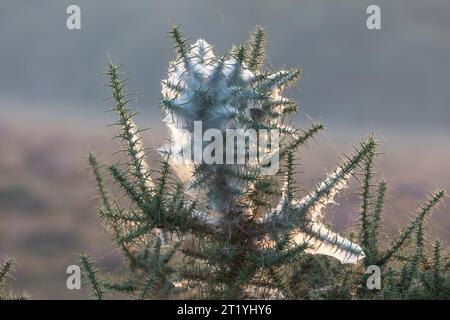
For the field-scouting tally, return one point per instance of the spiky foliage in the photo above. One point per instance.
(6, 293)
(228, 230)
(406, 271)
(5, 268)
(91, 277)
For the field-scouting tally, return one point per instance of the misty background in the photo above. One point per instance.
(393, 82)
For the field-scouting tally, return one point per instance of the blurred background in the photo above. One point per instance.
(393, 82)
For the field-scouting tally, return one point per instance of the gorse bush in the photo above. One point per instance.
(190, 229)
(6, 268)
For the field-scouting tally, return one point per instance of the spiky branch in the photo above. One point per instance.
(235, 230)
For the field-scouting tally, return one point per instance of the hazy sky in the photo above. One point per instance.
(397, 75)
